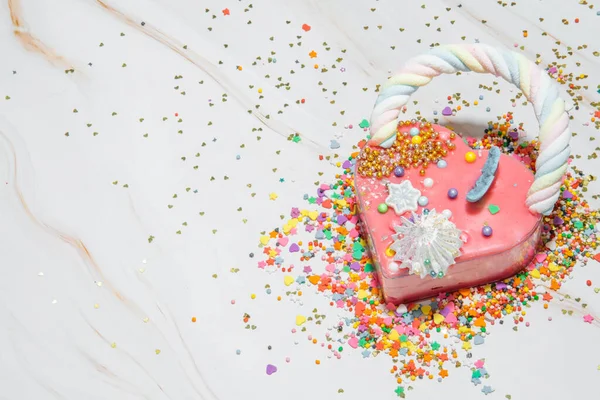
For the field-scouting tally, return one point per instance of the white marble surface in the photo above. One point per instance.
(87, 302)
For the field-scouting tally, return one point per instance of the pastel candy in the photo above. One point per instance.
(538, 88)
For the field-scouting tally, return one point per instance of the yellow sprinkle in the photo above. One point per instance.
(288, 280)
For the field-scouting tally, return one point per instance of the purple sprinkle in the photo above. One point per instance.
(294, 248)
(447, 111)
(347, 164)
(271, 369)
(295, 212)
(445, 311)
(558, 221)
(514, 134)
(355, 266)
(500, 285)
(341, 219)
(567, 195)
(399, 171)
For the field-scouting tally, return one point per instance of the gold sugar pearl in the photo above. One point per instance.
(380, 162)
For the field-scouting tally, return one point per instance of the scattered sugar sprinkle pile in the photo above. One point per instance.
(424, 339)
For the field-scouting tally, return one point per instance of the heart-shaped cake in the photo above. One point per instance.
(439, 216)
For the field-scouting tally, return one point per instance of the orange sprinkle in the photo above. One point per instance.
(193, 319)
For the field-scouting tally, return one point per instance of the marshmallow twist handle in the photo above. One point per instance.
(535, 84)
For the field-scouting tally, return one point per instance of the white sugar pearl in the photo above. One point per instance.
(393, 267)
(428, 182)
(447, 213)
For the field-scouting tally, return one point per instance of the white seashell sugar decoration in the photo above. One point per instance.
(427, 244)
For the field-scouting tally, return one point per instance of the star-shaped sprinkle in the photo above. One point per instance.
(403, 197)
(479, 364)
(399, 391)
(313, 54)
(588, 318)
(487, 390)
(226, 11)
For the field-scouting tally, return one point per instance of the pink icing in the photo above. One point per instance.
(483, 259)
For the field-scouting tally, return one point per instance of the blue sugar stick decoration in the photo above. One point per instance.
(485, 180)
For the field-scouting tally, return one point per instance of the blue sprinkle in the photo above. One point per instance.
(435, 113)
(237, 157)
(442, 164)
(268, 291)
(334, 145)
(478, 339)
(487, 109)
(238, 352)
(480, 97)
(300, 279)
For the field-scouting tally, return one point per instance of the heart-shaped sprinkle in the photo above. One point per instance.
(271, 369)
(494, 209)
(447, 111)
(300, 319)
(288, 280)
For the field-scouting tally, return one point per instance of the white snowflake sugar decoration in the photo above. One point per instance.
(403, 197)
(427, 244)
